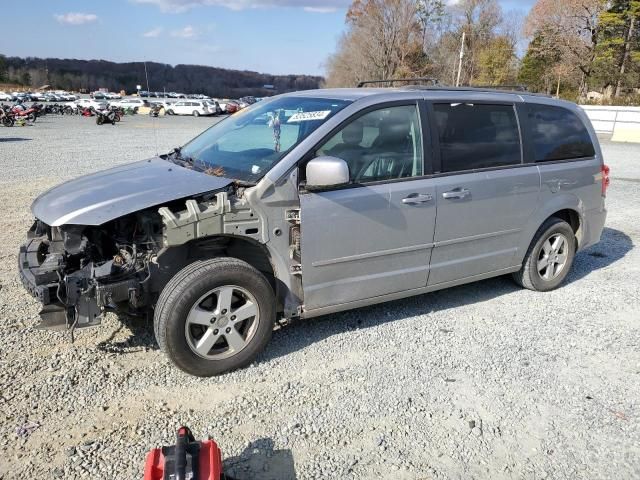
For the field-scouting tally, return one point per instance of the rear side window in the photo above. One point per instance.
(558, 134)
(476, 136)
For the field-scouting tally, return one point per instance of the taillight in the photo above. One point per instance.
(604, 170)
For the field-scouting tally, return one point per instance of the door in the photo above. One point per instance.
(484, 193)
(374, 237)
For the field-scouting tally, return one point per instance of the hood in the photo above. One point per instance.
(100, 197)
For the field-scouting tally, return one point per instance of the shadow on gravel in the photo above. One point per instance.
(613, 246)
(15, 139)
(141, 337)
(259, 461)
(298, 334)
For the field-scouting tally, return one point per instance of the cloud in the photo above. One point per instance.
(76, 18)
(316, 6)
(153, 33)
(186, 32)
(320, 9)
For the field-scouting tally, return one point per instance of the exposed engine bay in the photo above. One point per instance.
(79, 272)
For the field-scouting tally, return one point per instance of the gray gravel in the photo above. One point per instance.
(479, 381)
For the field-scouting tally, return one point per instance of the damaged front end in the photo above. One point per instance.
(79, 272)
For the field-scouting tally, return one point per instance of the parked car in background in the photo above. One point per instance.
(91, 103)
(214, 106)
(98, 95)
(228, 106)
(190, 107)
(6, 97)
(129, 103)
(143, 93)
(38, 96)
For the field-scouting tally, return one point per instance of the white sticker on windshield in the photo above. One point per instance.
(306, 116)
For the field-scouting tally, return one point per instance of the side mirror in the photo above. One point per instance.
(325, 172)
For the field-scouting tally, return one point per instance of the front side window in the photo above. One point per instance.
(558, 134)
(381, 145)
(248, 144)
(474, 136)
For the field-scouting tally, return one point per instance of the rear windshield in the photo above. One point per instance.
(558, 134)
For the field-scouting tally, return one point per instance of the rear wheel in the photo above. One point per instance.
(215, 316)
(549, 257)
(196, 113)
(99, 120)
(170, 112)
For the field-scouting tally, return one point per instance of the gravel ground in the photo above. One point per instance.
(480, 381)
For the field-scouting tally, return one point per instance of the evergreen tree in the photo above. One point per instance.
(537, 66)
(618, 52)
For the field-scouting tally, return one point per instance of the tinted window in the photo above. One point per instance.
(380, 145)
(477, 136)
(558, 134)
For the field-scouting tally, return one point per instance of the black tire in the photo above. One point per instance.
(186, 288)
(529, 276)
(31, 117)
(196, 113)
(170, 112)
(99, 120)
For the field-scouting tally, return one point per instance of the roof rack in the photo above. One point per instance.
(517, 88)
(432, 81)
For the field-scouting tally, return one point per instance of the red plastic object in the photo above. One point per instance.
(209, 462)
(606, 180)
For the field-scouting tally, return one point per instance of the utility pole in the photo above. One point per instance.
(461, 56)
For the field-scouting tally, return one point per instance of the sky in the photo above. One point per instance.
(270, 36)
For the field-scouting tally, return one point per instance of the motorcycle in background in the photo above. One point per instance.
(106, 116)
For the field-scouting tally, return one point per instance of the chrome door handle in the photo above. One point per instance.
(417, 198)
(456, 193)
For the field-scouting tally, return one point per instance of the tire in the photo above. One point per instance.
(31, 117)
(196, 113)
(533, 274)
(186, 297)
(170, 112)
(99, 120)
(116, 118)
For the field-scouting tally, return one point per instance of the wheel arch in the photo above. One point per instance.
(567, 207)
(246, 249)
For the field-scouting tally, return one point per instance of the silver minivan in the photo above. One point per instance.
(315, 202)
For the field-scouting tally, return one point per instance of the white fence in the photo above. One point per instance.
(608, 119)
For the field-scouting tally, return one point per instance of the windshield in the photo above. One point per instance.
(248, 144)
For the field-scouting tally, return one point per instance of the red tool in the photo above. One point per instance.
(186, 460)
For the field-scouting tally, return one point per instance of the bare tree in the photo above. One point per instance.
(569, 27)
(382, 40)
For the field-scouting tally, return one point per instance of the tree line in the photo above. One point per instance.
(570, 47)
(90, 75)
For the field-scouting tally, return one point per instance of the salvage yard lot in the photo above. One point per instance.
(479, 381)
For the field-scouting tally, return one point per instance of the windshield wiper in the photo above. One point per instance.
(177, 157)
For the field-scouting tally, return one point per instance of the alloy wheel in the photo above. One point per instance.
(222, 322)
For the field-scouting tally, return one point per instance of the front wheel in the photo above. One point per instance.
(215, 316)
(549, 257)
(99, 120)
(196, 113)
